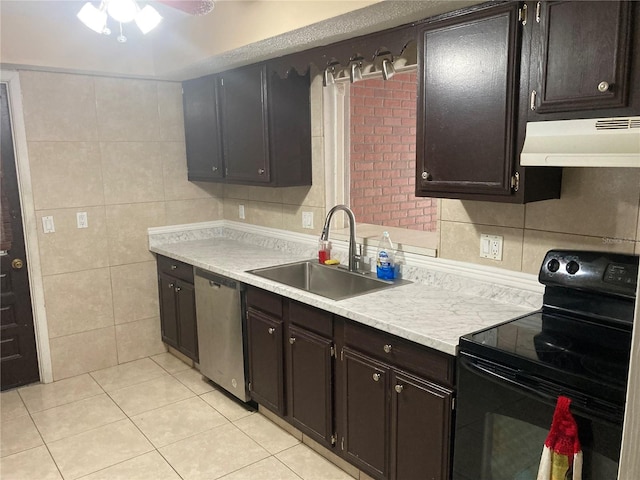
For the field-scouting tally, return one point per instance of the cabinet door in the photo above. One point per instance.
(245, 124)
(266, 372)
(366, 413)
(168, 309)
(202, 129)
(187, 327)
(311, 383)
(467, 108)
(581, 54)
(421, 428)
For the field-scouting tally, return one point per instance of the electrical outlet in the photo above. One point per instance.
(81, 220)
(47, 224)
(307, 219)
(491, 246)
(241, 212)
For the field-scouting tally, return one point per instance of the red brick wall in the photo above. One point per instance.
(383, 154)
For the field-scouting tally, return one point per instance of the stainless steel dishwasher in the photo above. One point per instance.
(219, 320)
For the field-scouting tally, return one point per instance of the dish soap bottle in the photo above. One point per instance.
(385, 268)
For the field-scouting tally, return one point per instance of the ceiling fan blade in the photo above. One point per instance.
(192, 7)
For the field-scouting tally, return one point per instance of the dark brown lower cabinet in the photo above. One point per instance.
(366, 413)
(310, 370)
(396, 425)
(265, 349)
(420, 428)
(384, 403)
(178, 306)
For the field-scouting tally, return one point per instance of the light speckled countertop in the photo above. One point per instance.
(431, 315)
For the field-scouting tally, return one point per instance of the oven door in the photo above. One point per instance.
(501, 426)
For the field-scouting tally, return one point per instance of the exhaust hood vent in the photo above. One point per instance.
(597, 142)
(618, 123)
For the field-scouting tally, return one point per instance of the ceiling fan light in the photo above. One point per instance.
(93, 17)
(123, 11)
(147, 19)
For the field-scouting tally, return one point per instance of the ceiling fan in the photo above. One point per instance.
(125, 11)
(196, 7)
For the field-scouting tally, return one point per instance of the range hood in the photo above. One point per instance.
(596, 142)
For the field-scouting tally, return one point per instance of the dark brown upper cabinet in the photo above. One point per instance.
(469, 126)
(249, 126)
(202, 129)
(582, 58)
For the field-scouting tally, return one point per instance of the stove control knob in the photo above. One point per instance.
(553, 265)
(572, 267)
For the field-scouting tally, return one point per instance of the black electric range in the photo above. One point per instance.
(580, 341)
(577, 345)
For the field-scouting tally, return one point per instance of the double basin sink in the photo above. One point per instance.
(328, 281)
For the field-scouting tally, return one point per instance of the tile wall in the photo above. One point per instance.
(113, 148)
(599, 209)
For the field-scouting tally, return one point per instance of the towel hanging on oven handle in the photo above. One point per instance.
(562, 455)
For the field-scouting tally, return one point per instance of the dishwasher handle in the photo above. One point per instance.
(217, 281)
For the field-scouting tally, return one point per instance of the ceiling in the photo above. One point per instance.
(47, 35)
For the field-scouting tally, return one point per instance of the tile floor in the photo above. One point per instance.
(155, 419)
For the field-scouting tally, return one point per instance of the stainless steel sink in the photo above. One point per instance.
(328, 281)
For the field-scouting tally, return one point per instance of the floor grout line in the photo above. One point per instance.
(231, 419)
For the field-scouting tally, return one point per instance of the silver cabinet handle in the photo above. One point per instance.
(532, 100)
(426, 176)
(177, 289)
(271, 330)
(292, 340)
(261, 171)
(399, 388)
(214, 169)
(173, 267)
(387, 348)
(376, 377)
(603, 87)
(171, 285)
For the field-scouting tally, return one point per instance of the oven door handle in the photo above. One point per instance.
(546, 390)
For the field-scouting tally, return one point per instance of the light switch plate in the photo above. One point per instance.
(48, 225)
(491, 246)
(241, 212)
(307, 219)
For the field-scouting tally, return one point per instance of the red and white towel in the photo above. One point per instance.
(562, 454)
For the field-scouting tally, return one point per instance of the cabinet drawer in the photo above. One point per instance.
(317, 321)
(175, 268)
(401, 353)
(264, 301)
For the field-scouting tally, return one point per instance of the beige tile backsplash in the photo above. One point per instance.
(83, 352)
(114, 148)
(131, 170)
(59, 107)
(482, 213)
(135, 292)
(127, 110)
(127, 226)
(461, 241)
(598, 202)
(70, 249)
(65, 174)
(78, 301)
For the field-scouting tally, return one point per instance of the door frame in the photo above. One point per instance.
(29, 221)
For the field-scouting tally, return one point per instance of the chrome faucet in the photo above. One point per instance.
(354, 258)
